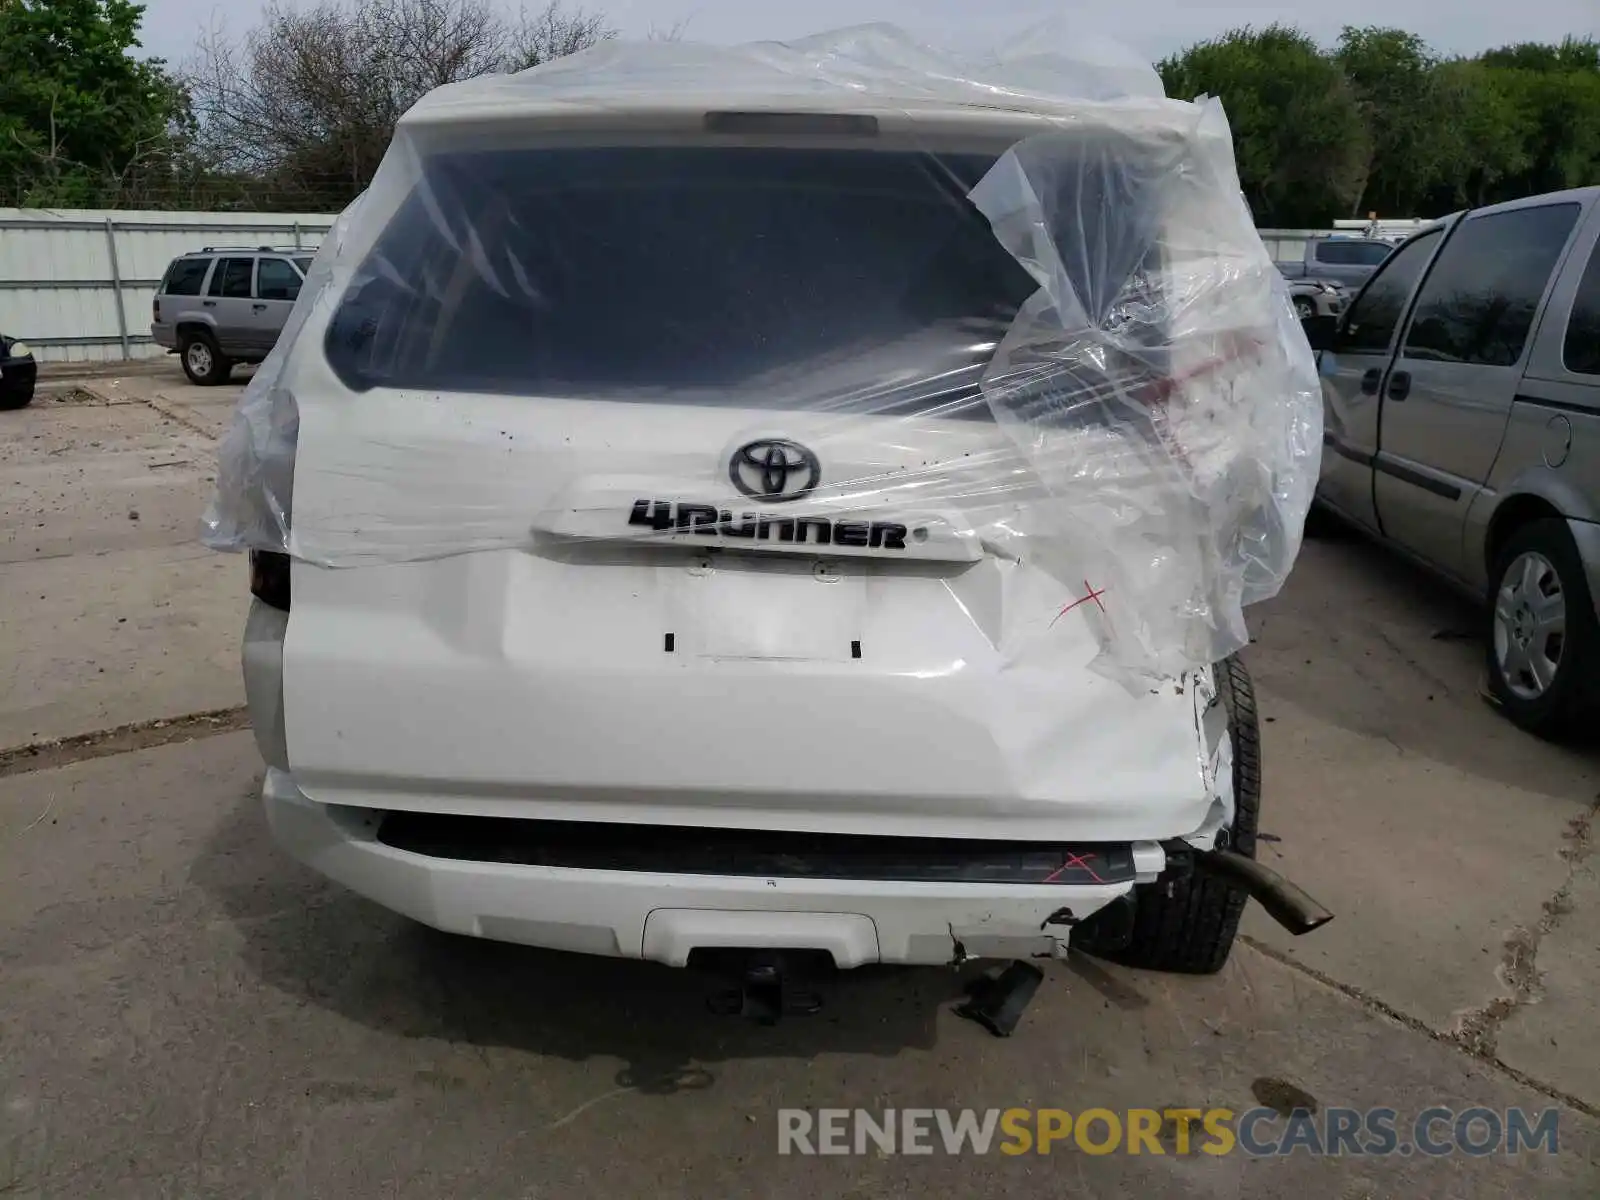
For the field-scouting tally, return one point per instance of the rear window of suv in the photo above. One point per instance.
(186, 277)
(1352, 254)
(742, 275)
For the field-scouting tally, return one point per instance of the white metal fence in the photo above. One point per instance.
(77, 284)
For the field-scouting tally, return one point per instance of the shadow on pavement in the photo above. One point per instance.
(315, 941)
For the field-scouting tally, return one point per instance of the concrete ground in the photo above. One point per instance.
(186, 1013)
(112, 612)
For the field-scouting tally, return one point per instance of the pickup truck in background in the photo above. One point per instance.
(1345, 260)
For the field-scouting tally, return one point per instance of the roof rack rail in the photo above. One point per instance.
(251, 250)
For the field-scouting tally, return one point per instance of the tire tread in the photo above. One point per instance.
(1187, 926)
(221, 365)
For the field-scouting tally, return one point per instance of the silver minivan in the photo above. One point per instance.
(1461, 391)
(220, 306)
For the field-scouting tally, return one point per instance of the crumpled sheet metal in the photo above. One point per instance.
(1145, 428)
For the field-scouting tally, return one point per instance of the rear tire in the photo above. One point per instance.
(1304, 308)
(1188, 925)
(1539, 565)
(203, 361)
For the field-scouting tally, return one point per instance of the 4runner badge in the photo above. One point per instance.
(708, 521)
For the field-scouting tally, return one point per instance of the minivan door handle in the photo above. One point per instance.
(209, 303)
(1399, 385)
(1370, 382)
(258, 308)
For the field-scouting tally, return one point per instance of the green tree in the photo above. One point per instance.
(1486, 133)
(80, 117)
(1555, 92)
(1302, 145)
(1404, 108)
(1573, 54)
(306, 104)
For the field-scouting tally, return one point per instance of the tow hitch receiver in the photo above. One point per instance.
(1283, 901)
(766, 989)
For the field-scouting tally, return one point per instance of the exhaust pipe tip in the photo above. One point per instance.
(1285, 903)
(996, 1001)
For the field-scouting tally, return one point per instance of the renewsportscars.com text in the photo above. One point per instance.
(1258, 1132)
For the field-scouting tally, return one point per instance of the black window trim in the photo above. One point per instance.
(217, 278)
(1402, 324)
(1592, 263)
(214, 278)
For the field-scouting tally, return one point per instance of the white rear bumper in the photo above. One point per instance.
(664, 916)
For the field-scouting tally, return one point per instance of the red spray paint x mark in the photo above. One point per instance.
(1093, 595)
(1235, 347)
(1157, 393)
(1074, 861)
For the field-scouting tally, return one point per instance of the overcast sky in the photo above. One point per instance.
(1155, 27)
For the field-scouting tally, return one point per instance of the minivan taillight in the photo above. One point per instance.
(155, 311)
(269, 578)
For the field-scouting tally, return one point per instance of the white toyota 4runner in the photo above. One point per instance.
(652, 585)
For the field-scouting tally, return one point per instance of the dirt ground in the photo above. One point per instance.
(186, 1013)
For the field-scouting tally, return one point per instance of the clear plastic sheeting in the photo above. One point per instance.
(1012, 306)
(250, 507)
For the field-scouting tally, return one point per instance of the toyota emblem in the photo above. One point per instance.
(773, 469)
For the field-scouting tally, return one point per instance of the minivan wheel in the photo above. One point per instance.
(1303, 308)
(1544, 643)
(1187, 925)
(202, 360)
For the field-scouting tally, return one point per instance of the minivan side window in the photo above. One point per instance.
(277, 280)
(1581, 349)
(231, 279)
(186, 277)
(1478, 303)
(1372, 318)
